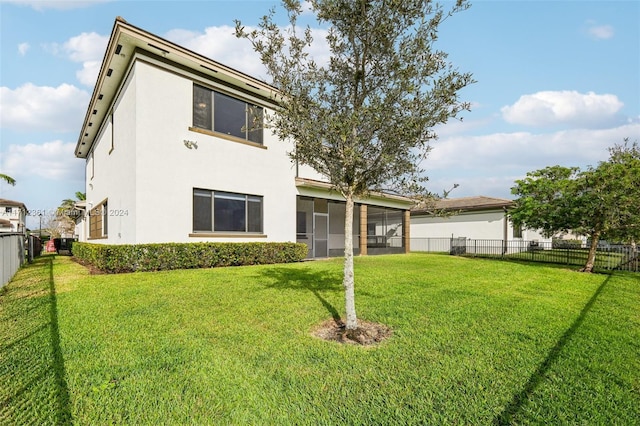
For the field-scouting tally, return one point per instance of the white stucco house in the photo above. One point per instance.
(171, 156)
(13, 216)
(478, 218)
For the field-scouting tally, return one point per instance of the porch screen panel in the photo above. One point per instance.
(394, 227)
(304, 223)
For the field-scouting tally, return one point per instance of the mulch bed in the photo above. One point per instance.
(367, 333)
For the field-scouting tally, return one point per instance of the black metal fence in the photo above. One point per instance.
(608, 257)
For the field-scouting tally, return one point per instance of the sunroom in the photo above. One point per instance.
(380, 222)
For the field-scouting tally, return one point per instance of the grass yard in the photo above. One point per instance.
(474, 342)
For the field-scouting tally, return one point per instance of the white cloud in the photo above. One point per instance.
(307, 8)
(492, 186)
(41, 5)
(87, 48)
(89, 73)
(549, 108)
(599, 32)
(221, 45)
(30, 107)
(23, 48)
(50, 160)
(489, 164)
(527, 151)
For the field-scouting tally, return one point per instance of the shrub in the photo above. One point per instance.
(167, 256)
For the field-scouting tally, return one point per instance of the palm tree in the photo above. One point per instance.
(11, 181)
(67, 212)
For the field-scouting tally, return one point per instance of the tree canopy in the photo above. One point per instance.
(66, 215)
(364, 119)
(599, 202)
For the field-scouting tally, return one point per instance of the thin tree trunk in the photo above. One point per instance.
(591, 257)
(348, 280)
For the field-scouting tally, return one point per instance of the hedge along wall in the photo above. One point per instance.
(159, 257)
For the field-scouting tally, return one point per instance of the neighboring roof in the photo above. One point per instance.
(124, 42)
(467, 204)
(10, 203)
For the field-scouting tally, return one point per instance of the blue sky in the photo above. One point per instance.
(557, 83)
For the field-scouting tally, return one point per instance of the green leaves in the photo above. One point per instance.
(168, 256)
(601, 201)
(364, 119)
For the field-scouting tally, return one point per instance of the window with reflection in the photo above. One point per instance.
(217, 211)
(225, 114)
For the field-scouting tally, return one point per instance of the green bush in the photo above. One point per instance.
(167, 256)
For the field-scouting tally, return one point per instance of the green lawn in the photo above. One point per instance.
(474, 342)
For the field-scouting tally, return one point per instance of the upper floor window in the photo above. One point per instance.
(224, 114)
(7, 209)
(517, 231)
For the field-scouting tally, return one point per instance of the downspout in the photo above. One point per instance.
(505, 231)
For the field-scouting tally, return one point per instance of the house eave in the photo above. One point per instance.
(10, 203)
(124, 41)
(373, 196)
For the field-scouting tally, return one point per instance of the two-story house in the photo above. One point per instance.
(13, 215)
(174, 153)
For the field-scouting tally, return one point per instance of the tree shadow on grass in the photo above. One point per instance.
(37, 392)
(306, 280)
(520, 400)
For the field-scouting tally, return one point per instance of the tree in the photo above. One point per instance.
(64, 221)
(365, 119)
(623, 169)
(598, 202)
(11, 181)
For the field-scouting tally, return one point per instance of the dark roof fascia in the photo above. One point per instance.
(10, 203)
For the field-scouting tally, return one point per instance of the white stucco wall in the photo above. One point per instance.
(478, 225)
(111, 173)
(17, 217)
(149, 176)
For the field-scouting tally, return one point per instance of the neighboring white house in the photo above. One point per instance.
(479, 218)
(13, 215)
(172, 155)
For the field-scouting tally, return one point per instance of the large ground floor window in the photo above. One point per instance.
(217, 211)
(98, 223)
